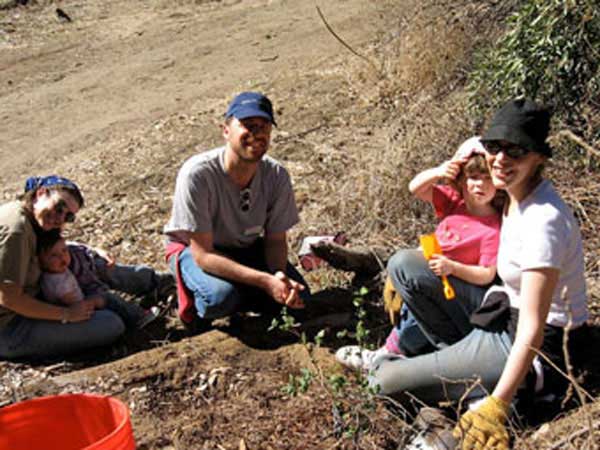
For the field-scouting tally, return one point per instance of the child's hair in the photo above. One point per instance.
(47, 239)
(477, 165)
(474, 166)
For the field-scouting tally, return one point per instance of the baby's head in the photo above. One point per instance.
(53, 254)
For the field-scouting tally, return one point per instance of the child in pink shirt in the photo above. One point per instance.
(468, 234)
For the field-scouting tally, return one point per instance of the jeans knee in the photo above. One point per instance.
(112, 325)
(220, 300)
(405, 265)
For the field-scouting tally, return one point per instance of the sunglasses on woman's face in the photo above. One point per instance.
(511, 150)
(62, 209)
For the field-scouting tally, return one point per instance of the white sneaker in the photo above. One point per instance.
(360, 358)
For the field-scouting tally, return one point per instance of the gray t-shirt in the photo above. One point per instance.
(207, 201)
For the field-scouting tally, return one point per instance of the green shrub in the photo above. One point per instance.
(550, 53)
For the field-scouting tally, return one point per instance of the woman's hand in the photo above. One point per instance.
(80, 311)
(106, 256)
(484, 427)
(440, 265)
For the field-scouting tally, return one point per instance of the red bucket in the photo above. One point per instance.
(66, 422)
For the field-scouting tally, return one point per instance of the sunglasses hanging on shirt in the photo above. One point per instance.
(245, 199)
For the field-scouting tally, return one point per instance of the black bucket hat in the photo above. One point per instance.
(521, 122)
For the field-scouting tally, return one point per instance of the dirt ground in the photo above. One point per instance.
(117, 99)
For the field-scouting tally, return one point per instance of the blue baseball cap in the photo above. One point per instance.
(251, 104)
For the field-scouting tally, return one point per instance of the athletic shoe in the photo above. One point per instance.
(360, 358)
(150, 316)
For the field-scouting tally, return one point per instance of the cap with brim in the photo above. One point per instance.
(251, 104)
(521, 122)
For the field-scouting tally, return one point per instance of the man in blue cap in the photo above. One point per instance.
(232, 208)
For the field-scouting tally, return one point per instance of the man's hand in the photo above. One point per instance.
(285, 290)
(80, 311)
(440, 265)
(484, 428)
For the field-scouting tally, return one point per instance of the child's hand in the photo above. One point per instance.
(69, 298)
(107, 256)
(440, 265)
(98, 301)
(79, 312)
(449, 169)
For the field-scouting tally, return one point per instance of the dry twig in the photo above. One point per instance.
(344, 43)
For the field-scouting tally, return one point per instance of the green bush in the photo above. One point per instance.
(550, 53)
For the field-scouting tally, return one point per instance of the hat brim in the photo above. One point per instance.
(245, 113)
(515, 136)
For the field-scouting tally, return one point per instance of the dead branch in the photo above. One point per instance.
(341, 41)
(577, 140)
(574, 435)
(360, 261)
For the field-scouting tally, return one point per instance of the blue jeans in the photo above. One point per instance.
(407, 335)
(27, 338)
(135, 280)
(462, 351)
(442, 322)
(216, 297)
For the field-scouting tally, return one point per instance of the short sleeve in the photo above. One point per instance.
(489, 249)
(15, 253)
(282, 213)
(444, 199)
(544, 243)
(191, 204)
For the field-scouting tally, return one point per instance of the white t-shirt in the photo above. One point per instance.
(55, 286)
(206, 200)
(543, 233)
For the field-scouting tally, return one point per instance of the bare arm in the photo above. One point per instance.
(479, 275)
(205, 256)
(13, 298)
(421, 186)
(276, 256)
(537, 287)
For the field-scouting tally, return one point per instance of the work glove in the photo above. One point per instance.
(392, 302)
(484, 427)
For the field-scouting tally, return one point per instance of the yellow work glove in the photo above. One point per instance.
(392, 302)
(484, 428)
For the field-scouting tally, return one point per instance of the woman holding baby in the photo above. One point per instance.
(30, 327)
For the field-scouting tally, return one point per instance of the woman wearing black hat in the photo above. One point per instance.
(540, 261)
(28, 326)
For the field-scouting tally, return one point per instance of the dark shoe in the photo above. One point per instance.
(164, 287)
(197, 326)
(435, 431)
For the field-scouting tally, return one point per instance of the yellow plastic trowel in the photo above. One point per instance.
(431, 246)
